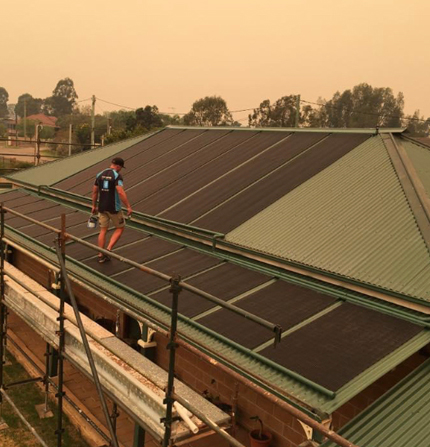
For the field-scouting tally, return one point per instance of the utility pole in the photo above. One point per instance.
(70, 139)
(25, 119)
(37, 155)
(93, 110)
(109, 126)
(297, 110)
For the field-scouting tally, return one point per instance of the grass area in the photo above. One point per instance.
(10, 165)
(50, 153)
(26, 397)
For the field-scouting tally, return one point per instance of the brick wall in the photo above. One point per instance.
(203, 377)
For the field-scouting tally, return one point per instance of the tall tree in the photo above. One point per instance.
(63, 99)
(282, 113)
(417, 125)
(33, 105)
(4, 97)
(365, 106)
(148, 118)
(209, 111)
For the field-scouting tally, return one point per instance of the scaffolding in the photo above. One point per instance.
(171, 397)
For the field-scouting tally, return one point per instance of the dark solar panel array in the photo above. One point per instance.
(279, 149)
(259, 196)
(331, 350)
(90, 172)
(225, 282)
(340, 345)
(210, 178)
(281, 303)
(184, 262)
(140, 159)
(187, 177)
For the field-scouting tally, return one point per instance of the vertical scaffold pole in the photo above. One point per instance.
(60, 392)
(2, 306)
(175, 290)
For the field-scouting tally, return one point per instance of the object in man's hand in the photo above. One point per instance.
(92, 221)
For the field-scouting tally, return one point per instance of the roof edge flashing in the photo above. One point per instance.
(371, 130)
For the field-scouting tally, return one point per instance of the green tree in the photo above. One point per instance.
(4, 97)
(148, 118)
(174, 120)
(30, 128)
(365, 106)
(33, 105)
(209, 111)
(63, 99)
(282, 113)
(417, 126)
(3, 130)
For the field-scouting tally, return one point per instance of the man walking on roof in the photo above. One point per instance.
(109, 190)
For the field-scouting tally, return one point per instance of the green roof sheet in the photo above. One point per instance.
(397, 419)
(352, 219)
(53, 172)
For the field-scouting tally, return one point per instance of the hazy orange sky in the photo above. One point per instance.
(170, 53)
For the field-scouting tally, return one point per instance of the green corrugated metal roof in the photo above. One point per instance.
(53, 172)
(420, 157)
(399, 418)
(351, 219)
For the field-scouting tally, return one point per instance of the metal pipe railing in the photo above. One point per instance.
(276, 329)
(68, 286)
(297, 413)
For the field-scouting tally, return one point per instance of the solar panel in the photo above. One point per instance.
(259, 196)
(184, 262)
(280, 303)
(225, 282)
(140, 159)
(90, 172)
(340, 345)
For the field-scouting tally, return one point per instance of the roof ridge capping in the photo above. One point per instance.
(369, 130)
(411, 184)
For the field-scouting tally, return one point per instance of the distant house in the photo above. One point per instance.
(40, 118)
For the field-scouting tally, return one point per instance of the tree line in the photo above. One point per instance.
(359, 107)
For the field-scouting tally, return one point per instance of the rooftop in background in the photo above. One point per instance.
(45, 120)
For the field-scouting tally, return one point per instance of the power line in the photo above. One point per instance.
(363, 113)
(301, 100)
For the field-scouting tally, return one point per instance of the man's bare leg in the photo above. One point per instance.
(115, 237)
(102, 238)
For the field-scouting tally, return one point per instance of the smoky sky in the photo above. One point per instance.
(170, 53)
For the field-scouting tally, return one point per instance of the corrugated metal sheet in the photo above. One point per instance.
(400, 418)
(352, 219)
(420, 157)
